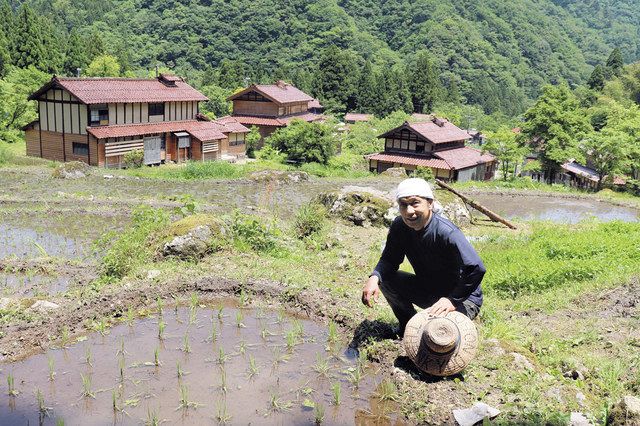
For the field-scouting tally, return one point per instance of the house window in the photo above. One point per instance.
(80, 148)
(388, 143)
(420, 147)
(396, 144)
(405, 144)
(99, 117)
(156, 109)
(236, 139)
(412, 145)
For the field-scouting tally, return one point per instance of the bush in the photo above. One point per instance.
(310, 219)
(134, 159)
(5, 155)
(249, 231)
(304, 142)
(425, 173)
(252, 140)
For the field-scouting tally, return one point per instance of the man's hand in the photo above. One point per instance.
(442, 307)
(371, 291)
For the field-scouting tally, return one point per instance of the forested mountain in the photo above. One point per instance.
(494, 53)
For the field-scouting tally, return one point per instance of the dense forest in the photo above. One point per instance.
(353, 54)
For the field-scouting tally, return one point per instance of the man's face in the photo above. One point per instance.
(415, 211)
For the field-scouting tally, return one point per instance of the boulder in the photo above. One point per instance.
(395, 172)
(521, 362)
(625, 412)
(44, 306)
(362, 206)
(279, 176)
(455, 211)
(72, 170)
(578, 419)
(195, 244)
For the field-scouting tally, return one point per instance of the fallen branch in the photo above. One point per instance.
(491, 215)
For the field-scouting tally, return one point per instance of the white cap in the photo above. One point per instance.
(414, 187)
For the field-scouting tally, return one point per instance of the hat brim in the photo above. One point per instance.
(440, 364)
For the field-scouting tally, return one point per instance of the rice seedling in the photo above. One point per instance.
(318, 413)
(222, 416)
(88, 357)
(184, 399)
(194, 302)
(322, 365)
(298, 328)
(121, 367)
(156, 357)
(59, 422)
(253, 367)
(223, 380)
(130, 317)
(264, 333)
(239, 319)
(86, 386)
(387, 391)
(52, 371)
(220, 309)
(291, 338)
(213, 336)
(279, 357)
(243, 298)
(333, 332)
(260, 314)
(336, 390)
(355, 376)
(159, 305)
(242, 347)
(180, 371)
(186, 346)
(277, 405)
(152, 418)
(64, 336)
(42, 408)
(121, 351)
(193, 314)
(161, 326)
(222, 357)
(114, 402)
(101, 327)
(280, 316)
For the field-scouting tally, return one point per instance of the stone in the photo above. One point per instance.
(72, 170)
(193, 245)
(475, 414)
(578, 419)
(579, 372)
(395, 172)
(494, 347)
(280, 176)
(153, 274)
(521, 361)
(625, 412)
(108, 176)
(362, 206)
(581, 399)
(44, 306)
(5, 302)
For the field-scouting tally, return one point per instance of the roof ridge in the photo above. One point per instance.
(146, 124)
(105, 78)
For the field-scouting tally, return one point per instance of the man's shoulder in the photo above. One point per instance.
(444, 226)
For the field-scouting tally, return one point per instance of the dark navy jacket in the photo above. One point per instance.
(440, 255)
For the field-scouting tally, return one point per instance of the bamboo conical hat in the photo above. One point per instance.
(440, 346)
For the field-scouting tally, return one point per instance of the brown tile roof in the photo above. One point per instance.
(410, 160)
(202, 130)
(280, 93)
(315, 104)
(248, 120)
(352, 116)
(309, 116)
(449, 132)
(231, 124)
(462, 158)
(124, 90)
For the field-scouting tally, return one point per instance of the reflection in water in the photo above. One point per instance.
(243, 366)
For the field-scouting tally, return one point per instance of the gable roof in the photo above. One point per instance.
(123, 90)
(202, 130)
(280, 93)
(462, 158)
(436, 163)
(433, 132)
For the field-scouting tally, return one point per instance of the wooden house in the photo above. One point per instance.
(437, 144)
(99, 120)
(354, 117)
(272, 106)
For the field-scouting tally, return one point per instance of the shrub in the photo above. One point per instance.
(304, 142)
(5, 155)
(134, 159)
(309, 220)
(425, 173)
(252, 140)
(247, 230)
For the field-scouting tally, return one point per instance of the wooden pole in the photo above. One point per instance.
(491, 215)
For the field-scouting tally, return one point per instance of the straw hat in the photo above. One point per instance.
(440, 346)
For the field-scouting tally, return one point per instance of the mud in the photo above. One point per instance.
(215, 360)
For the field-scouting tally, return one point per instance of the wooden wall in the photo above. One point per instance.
(265, 109)
(132, 113)
(238, 149)
(196, 149)
(293, 108)
(62, 113)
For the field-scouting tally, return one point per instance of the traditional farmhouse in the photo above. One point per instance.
(437, 144)
(354, 117)
(271, 106)
(99, 120)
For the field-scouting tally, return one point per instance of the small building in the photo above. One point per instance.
(272, 106)
(99, 120)
(437, 144)
(353, 117)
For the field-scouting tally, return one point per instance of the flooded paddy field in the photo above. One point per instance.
(199, 365)
(25, 285)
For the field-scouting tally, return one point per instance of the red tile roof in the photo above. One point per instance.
(202, 130)
(231, 124)
(462, 158)
(410, 160)
(449, 132)
(309, 116)
(248, 120)
(315, 104)
(124, 90)
(280, 93)
(352, 116)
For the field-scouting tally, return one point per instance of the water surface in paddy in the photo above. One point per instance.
(32, 285)
(555, 209)
(219, 380)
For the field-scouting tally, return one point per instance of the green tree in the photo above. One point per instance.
(217, 105)
(597, 78)
(76, 56)
(502, 143)
(94, 45)
(28, 48)
(5, 58)
(252, 140)
(424, 83)
(608, 152)
(304, 142)
(104, 66)
(615, 62)
(231, 75)
(335, 79)
(393, 92)
(554, 127)
(367, 95)
(15, 110)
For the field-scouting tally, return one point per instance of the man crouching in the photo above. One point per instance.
(448, 271)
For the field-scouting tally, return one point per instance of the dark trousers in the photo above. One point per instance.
(403, 290)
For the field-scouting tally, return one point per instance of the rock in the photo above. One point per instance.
(395, 172)
(455, 211)
(625, 412)
(280, 176)
(579, 372)
(153, 274)
(578, 419)
(581, 399)
(521, 361)
(494, 347)
(71, 170)
(554, 393)
(363, 206)
(44, 306)
(193, 245)
(5, 302)
(108, 176)
(475, 414)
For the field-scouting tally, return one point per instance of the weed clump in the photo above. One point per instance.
(134, 159)
(249, 232)
(310, 220)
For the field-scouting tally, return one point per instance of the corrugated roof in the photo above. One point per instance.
(581, 170)
(353, 116)
(281, 92)
(202, 130)
(462, 158)
(124, 90)
(412, 161)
